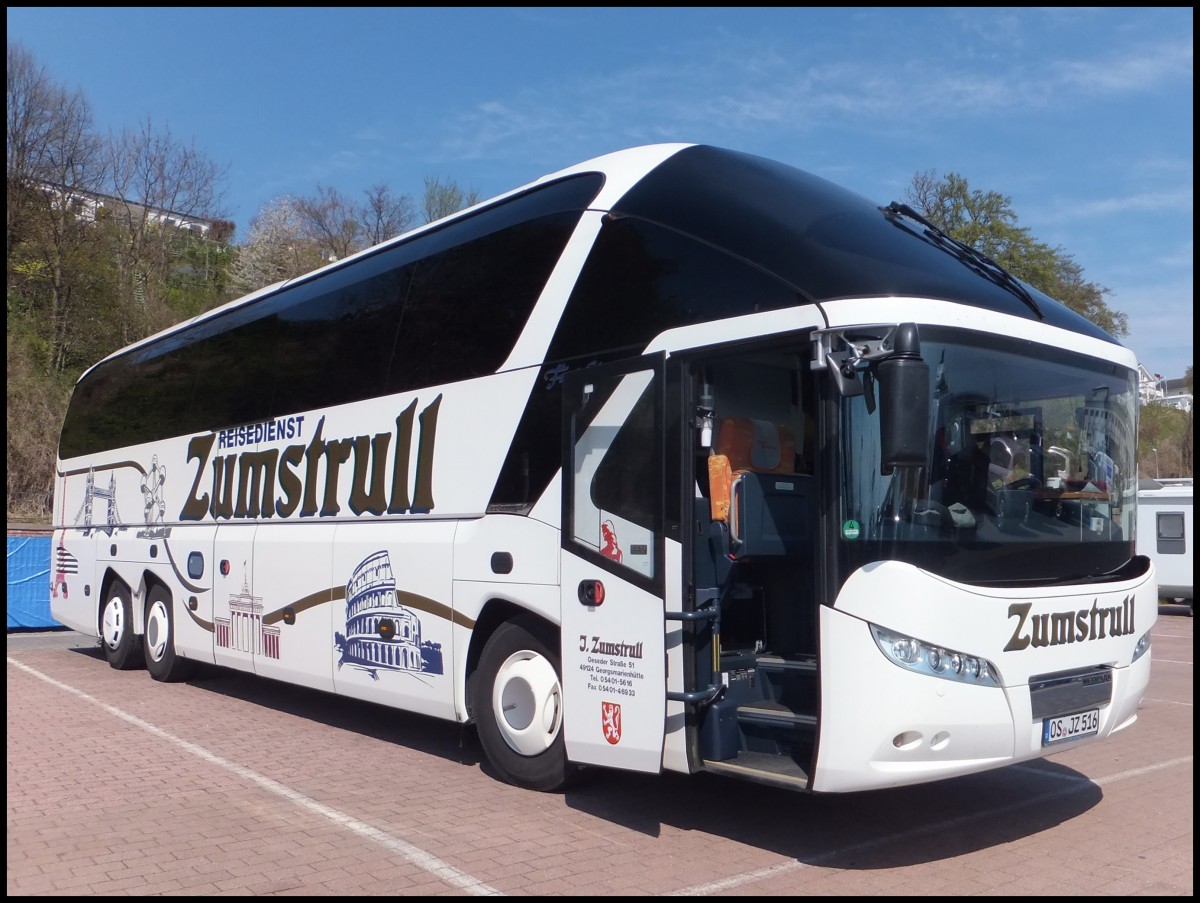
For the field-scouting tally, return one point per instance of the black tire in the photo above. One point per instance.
(121, 645)
(159, 640)
(517, 703)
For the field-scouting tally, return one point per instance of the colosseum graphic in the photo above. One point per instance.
(381, 634)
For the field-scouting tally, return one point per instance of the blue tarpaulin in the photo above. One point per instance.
(29, 583)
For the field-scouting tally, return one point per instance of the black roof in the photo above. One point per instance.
(824, 240)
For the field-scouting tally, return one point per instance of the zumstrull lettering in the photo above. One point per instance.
(617, 650)
(370, 456)
(224, 473)
(312, 457)
(1057, 628)
(404, 428)
(270, 483)
(200, 447)
(289, 481)
(256, 483)
(336, 453)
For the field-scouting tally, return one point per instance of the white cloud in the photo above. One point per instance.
(1134, 71)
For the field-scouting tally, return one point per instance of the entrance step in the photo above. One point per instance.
(762, 768)
(767, 711)
(764, 723)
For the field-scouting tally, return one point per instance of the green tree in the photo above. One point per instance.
(444, 198)
(101, 250)
(36, 401)
(385, 215)
(291, 236)
(33, 100)
(986, 221)
(277, 248)
(161, 187)
(1165, 437)
(333, 222)
(200, 277)
(1165, 445)
(56, 167)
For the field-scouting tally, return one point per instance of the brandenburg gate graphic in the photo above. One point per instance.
(243, 630)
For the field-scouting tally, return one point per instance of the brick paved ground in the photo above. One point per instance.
(232, 785)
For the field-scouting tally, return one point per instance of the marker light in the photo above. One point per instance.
(1142, 647)
(937, 661)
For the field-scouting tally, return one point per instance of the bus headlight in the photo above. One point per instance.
(1142, 647)
(937, 661)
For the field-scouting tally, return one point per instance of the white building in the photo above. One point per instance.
(88, 207)
(1170, 392)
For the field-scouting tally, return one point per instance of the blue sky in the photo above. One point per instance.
(1082, 117)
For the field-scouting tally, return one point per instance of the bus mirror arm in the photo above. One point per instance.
(845, 375)
(890, 355)
(851, 356)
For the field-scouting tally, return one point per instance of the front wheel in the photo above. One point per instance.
(121, 646)
(517, 702)
(161, 660)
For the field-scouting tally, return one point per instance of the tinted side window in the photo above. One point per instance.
(467, 305)
(639, 280)
(232, 372)
(628, 481)
(183, 383)
(334, 347)
(642, 279)
(333, 338)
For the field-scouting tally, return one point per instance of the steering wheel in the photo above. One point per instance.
(921, 508)
(1027, 483)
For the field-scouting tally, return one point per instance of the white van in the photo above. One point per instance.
(1164, 533)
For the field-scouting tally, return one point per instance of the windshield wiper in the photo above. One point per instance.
(1127, 571)
(975, 259)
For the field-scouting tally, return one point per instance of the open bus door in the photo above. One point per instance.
(613, 569)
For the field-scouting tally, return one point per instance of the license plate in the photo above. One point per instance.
(1069, 727)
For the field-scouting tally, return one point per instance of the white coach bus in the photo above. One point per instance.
(679, 460)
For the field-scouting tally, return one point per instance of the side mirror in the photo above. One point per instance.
(904, 408)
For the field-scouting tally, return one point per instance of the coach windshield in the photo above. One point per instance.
(1031, 455)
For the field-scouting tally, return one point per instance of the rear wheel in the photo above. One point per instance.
(121, 646)
(518, 707)
(159, 640)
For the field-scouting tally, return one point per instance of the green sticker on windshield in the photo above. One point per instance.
(850, 529)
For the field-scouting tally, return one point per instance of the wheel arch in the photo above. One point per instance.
(150, 580)
(110, 577)
(498, 611)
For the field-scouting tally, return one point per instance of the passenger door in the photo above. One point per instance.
(613, 628)
(237, 612)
